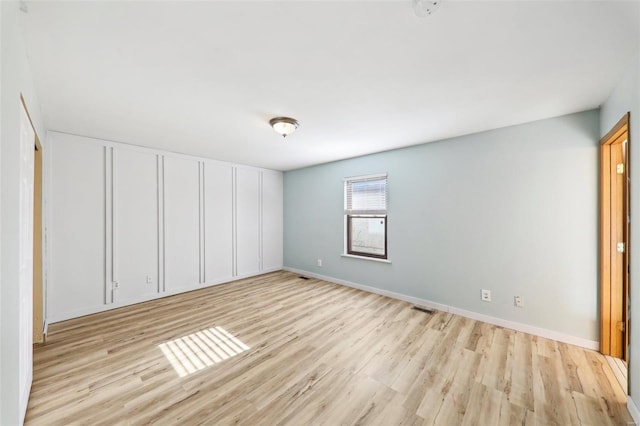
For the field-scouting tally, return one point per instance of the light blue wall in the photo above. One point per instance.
(626, 98)
(512, 210)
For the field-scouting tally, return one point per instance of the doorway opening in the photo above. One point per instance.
(614, 241)
(38, 335)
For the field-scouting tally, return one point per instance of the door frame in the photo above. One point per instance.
(38, 288)
(613, 310)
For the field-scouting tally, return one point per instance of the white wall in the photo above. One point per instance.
(247, 209)
(15, 79)
(79, 224)
(272, 218)
(1, 276)
(512, 210)
(2, 381)
(135, 217)
(156, 223)
(218, 211)
(25, 256)
(182, 223)
(626, 98)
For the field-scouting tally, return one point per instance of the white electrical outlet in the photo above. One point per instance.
(517, 300)
(486, 295)
(319, 262)
(149, 279)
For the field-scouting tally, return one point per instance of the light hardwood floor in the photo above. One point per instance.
(318, 353)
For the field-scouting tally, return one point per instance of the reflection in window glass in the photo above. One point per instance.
(367, 235)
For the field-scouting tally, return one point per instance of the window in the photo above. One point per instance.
(365, 210)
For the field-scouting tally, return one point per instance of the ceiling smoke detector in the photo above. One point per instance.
(423, 8)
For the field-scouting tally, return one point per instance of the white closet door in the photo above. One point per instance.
(25, 258)
(247, 221)
(135, 224)
(182, 223)
(272, 230)
(218, 224)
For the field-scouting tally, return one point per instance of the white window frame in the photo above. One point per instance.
(377, 213)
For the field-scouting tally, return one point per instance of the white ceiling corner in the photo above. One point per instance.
(204, 78)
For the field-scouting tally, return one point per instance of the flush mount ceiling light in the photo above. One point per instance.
(424, 8)
(284, 125)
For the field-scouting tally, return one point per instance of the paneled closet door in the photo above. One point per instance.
(182, 223)
(247, 221)
(272, 229)
(135, 224)
(218, 223)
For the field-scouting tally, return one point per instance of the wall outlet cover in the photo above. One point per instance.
(485, 295)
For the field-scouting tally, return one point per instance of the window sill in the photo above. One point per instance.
(373, 259)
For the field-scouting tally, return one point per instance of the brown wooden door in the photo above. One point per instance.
(617, 242)
(614, 242)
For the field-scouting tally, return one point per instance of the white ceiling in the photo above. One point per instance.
(204, 78)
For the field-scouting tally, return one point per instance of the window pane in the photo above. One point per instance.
(368, 195)
(368, 235)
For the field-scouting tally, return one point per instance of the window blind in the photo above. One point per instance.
(366, 195)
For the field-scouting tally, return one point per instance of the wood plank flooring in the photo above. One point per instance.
(318, 353)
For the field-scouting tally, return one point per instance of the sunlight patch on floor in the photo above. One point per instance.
(201, 349)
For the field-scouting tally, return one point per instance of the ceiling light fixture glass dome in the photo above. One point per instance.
(284, 125)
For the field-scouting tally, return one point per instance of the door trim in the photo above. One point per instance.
(612, 306)
(38, 288)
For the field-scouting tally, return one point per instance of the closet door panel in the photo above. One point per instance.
(247, 221)
(272, 229)
(135, 223)
(218, 223)
(182, 223)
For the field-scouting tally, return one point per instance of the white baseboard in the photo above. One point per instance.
(525, 328)
(89, 310)
(633, 410)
